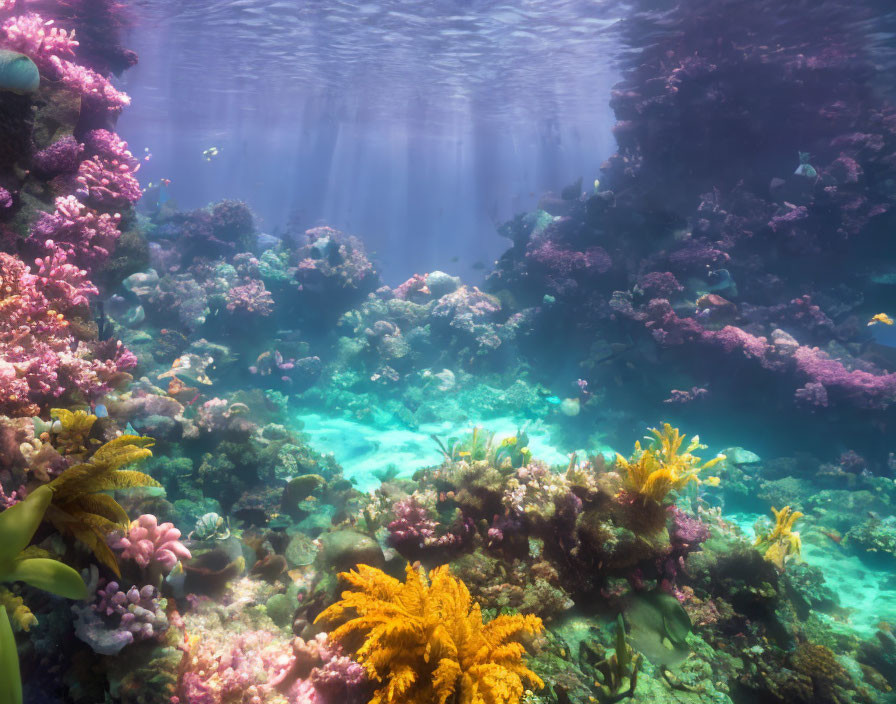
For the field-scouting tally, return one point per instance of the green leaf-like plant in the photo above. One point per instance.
(17, 526)
(618, 674)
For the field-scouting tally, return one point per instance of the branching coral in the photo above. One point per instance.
(781, 542)
(41, 359)
(80, 508)
(654, 471)
(426, 640)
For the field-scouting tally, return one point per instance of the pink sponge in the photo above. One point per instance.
(147, 541)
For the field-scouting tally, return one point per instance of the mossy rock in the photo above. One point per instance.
(58, 111)
(346, 549)
(280, 609)
(299, 489)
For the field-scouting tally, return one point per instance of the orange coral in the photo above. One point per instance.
(426, 642)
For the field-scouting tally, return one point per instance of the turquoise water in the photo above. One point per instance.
(365, 451)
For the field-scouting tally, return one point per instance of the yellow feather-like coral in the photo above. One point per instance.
(781, 542)
(425, 641)
(661, 467)
(71, 430)
(80, 510)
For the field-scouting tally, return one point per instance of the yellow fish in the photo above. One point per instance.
(881, 318)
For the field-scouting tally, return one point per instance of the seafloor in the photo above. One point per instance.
(237, 468)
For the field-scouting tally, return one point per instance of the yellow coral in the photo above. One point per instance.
(654, 471)
(781, 541)
(426, 642)
(19, 614)
(72, 430)
(81, 509)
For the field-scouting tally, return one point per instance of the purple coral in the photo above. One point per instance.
(87, 236)
(120, 618)
(686, 532)
(147, 541)
(250, 297)
(863, 388)
(414, 532)
(61, 157)
(659, 284)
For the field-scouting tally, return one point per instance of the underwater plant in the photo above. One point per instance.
(426, 642)
(480, 446)
(661, 467)
(18, 563)
(617, 675)
(780, 543)
(79, 507)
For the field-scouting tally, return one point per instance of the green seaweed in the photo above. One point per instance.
(17, 526)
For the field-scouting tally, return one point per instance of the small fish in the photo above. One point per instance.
(881, 318)
(454, 260)
(805, 168)
(176, 578)
(477, 266)
(164, 196)
(100, 411)
(554, 400)
(210, 153)
(190, 366)
(833, 535)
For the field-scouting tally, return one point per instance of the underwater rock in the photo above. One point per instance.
(301, 550)
(18, 73)
(440, 283)
(345, 549)
(209, 572)
(142, 283)
(299, 489)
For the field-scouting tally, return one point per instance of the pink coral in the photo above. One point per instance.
(250, 297)
(148, 541)
(65, 285)
(86, 235)
(93, 87)
(252, 668)
(108, 176)
(36, 37)
(40, 357)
